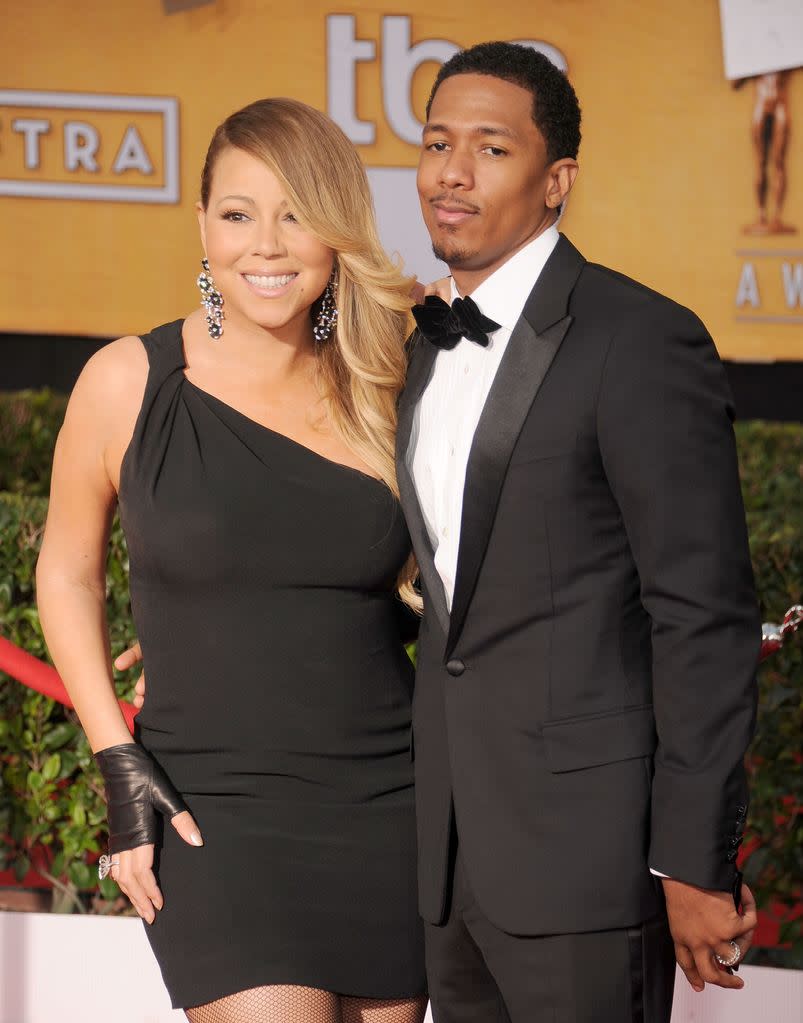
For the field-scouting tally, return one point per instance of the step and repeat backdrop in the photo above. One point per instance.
(691, 163)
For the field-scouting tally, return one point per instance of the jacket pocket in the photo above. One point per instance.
(524, 454)
(595, 739)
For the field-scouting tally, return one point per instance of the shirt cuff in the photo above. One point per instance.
(658, 873)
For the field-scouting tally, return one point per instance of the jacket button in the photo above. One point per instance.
(741, 809)
(455, 667)
(731, 855)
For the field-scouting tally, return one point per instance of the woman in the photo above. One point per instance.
(251, 452)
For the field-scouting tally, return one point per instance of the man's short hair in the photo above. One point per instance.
(556, 111)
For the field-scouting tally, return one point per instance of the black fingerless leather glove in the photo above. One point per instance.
(136, 790)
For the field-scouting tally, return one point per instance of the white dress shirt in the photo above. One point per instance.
(449, 410)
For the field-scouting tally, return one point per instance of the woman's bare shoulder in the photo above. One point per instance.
(114, 374)
(108, 394)
(116, 364)
(104, 406)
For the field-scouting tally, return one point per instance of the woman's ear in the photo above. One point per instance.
(201, 213)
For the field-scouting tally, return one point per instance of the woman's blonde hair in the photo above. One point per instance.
(362, 365)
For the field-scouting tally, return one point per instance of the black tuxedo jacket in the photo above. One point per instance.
(584, 711)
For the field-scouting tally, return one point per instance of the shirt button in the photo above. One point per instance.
(451, 449)
(444, 532)
(465, 369)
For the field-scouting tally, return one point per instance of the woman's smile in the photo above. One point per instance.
(269, 285)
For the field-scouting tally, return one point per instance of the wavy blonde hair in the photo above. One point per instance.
(362, 365)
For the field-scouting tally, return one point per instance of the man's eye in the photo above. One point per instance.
(437, 147)
(494, 151)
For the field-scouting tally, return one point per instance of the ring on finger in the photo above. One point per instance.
(105, 865)
(732, 959)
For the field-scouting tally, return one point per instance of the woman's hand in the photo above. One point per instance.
(127, 659)
(137, 789)
(442, 288)
(133, 870)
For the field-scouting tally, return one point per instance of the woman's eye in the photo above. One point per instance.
(234, 216)
(291, 217)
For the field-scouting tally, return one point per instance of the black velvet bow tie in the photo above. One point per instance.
(443, 325)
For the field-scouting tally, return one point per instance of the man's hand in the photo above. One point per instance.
(127, 660)
(703, 923)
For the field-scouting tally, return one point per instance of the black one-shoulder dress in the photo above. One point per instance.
(278, 701)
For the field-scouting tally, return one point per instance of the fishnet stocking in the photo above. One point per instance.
(375, 1010)
(290, 1003)
(275, 1003)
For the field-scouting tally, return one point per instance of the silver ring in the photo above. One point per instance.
(731, 960)
(105, 864)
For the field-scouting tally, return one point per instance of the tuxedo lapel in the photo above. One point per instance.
(529, 354)
(419, 371)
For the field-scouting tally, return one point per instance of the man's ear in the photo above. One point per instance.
(561, 178)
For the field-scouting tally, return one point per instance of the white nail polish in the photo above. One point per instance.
(196, 839)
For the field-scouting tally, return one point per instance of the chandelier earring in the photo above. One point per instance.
(212, 301)
(326, 320)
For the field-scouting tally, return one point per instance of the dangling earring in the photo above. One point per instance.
(212, 301)
(326, 320)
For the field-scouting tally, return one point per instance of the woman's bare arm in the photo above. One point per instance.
(71, 572)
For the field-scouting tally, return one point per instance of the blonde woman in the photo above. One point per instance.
(250, 449)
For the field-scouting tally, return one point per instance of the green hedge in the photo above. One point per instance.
(51, 794)
(771, 464)
(29, 423)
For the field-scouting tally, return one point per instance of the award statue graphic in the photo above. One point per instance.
(763, 43)
(769, 134)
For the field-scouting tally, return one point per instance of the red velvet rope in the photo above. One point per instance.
(43, 678)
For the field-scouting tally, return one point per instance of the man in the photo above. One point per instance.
(585, 689)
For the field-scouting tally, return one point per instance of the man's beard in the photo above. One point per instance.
(455, 257)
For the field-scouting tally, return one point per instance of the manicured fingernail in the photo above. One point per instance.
(196, 839)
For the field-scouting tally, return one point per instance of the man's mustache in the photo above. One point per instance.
(453, 202)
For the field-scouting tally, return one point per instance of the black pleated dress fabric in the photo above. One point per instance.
(278, 701)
